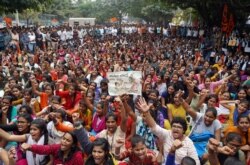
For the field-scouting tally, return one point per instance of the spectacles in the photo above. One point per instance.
(177, 127)
(231, 145)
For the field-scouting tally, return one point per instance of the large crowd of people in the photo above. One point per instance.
(55, 106)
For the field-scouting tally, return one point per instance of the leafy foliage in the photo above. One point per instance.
(7, 6)
(211, 10)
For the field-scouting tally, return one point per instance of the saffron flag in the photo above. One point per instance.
(231, 25)
(113, 20)
(224, 21)
(8, 21)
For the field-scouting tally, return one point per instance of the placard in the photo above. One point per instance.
(126, 82)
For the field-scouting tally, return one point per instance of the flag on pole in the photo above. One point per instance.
(224, 21)
(8, 21)
(231, 25)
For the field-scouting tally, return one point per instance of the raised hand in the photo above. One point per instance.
(142, 105)
(179, 95)
(119, 143)
(226, 150)
(212, 145)
(75, 116)
(177, 144)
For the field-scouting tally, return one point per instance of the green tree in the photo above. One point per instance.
(211, 10)
(9, 6)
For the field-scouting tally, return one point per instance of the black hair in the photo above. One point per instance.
(213, 110)
(104, 144)
(28, 109)
(57, 98)
(233, 160)
(181, 121)
(245, 102)
(111, 115)
(8, 97)
(19, 87)
(42, 126)
(242, 116)
(28, 90)
(47, 77)
(188, 161)
(62, 113)
(154, 91)
(74, 148)
(27, 117)
(212, 96)
(137, 139)
(233, 136)
(50, 85)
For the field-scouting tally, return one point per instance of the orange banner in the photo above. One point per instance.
(113, 20)
(8, 21)
(231, 25)
(224, 21)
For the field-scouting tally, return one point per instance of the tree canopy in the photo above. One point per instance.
(7, 6)
(211, 10)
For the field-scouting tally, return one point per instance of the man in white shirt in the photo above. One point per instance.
(32, 41)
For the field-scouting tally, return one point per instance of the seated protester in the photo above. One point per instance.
(66, 152)
(8, 112)
(225, 106)
(211, 86)
(29, 101)
(94, 76)
(160, 86)
(179, 127)
(84, 114)
(234, 87)
(156, 107)
(176, 109)
(99, 153)
(241, 94)
(131, 120)
(144, 131)
(228, 154)
(93, 86)
(113, 132)
(24, 109)
(55, 134)
(203, 128)
(16, 129)
(45, 95)
(54, 103)
(138, 154)
(17, 94)
(71, 97)
(242, 108)
(171, 156)
(243, 129)
(207, 101)
(198, 101)
(167, 97)
(99, 111)
(38, 135)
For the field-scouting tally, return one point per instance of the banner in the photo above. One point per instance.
(231, 25)
(224, 21)
(127, 82)
(8, 21)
